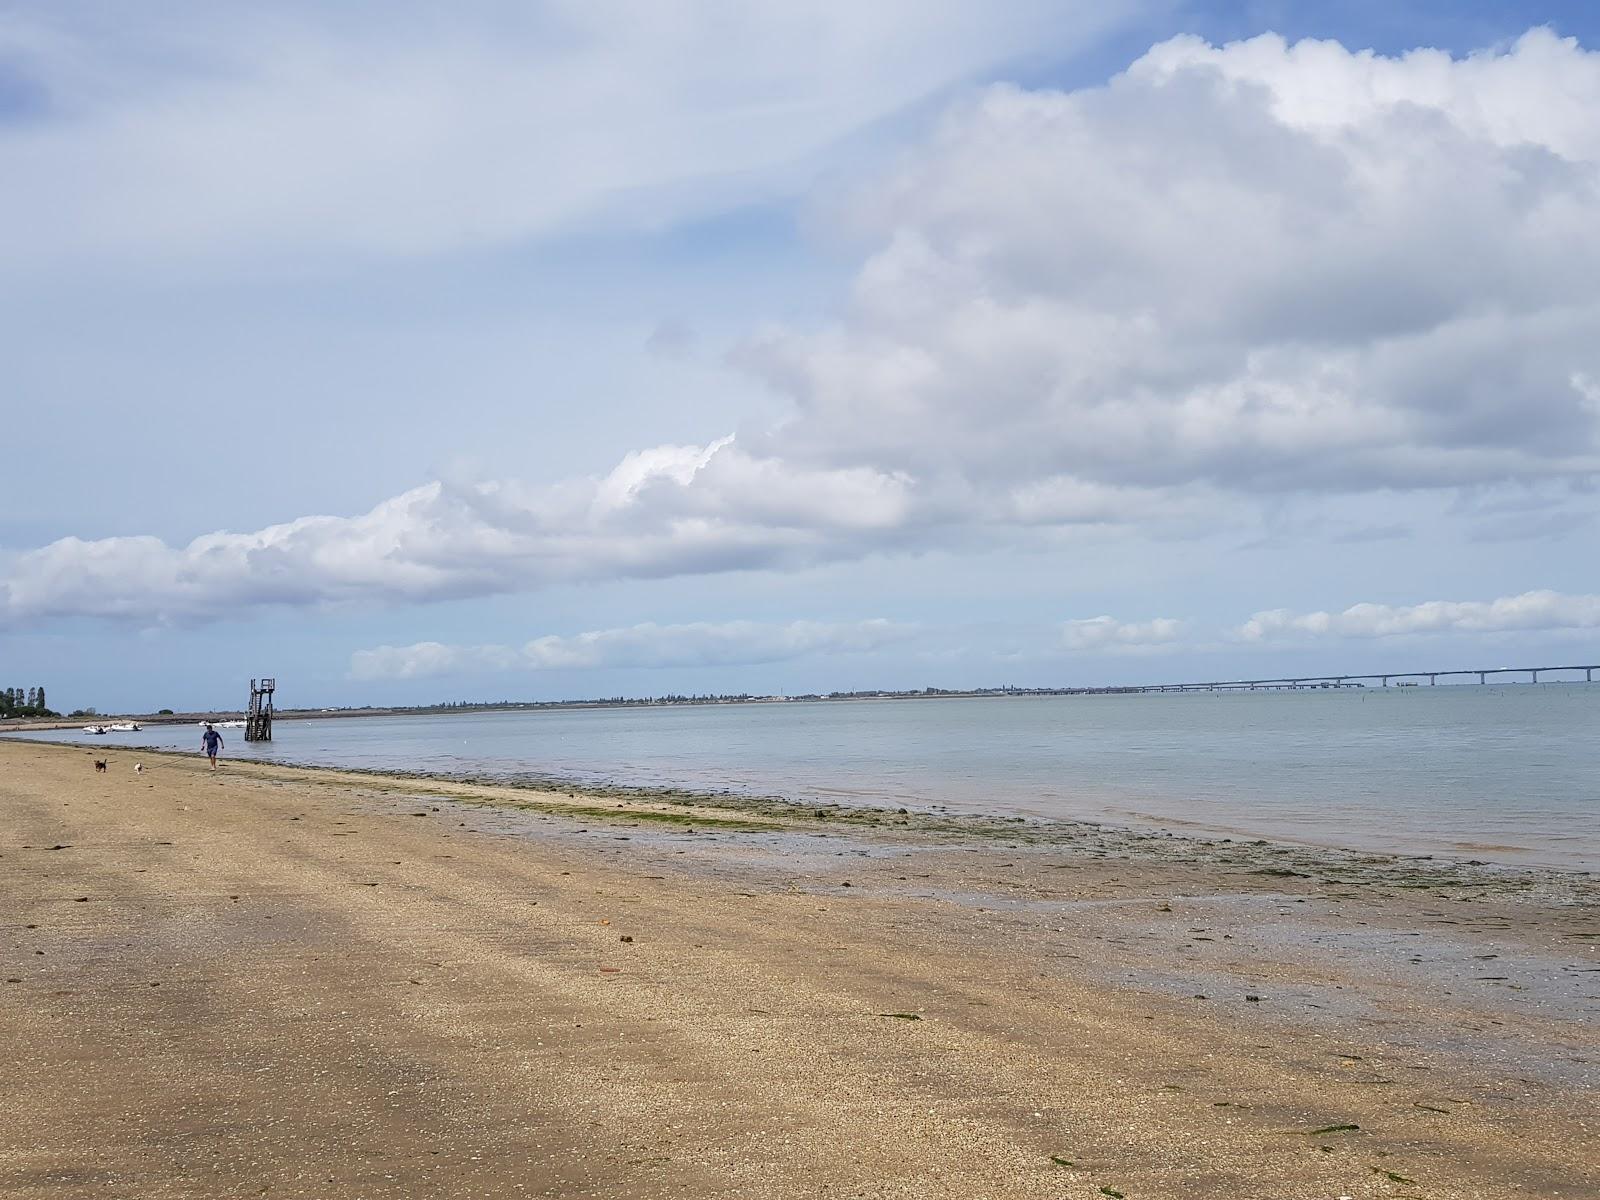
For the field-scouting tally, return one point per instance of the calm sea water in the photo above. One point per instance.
(1507, 774)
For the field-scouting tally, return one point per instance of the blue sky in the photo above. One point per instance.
(562, 349)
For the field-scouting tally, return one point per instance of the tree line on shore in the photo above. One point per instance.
(24, 702)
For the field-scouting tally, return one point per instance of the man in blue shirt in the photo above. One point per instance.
(211, 741)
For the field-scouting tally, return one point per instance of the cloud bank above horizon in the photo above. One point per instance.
(1537, 611)
(647, 646)
(650, 646)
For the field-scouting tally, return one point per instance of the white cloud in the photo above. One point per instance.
(1259, 267)
(1107, 634)
(1539, 610)
(1232, 271)
(697, 644)
(669, 511)
(701, 644)
(189, 129)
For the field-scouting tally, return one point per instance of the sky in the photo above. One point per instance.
(569, 348)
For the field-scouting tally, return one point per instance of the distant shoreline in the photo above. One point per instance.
(24, 724)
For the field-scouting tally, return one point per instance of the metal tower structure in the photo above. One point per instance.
(258, 720)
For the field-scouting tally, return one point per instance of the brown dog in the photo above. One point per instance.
(99, 764)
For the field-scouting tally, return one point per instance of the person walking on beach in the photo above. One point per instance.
(211, 742)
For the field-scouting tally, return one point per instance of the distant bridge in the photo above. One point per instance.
(1299, 682)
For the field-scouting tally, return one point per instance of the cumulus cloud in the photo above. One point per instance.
(1230, 272)
(1260, 267)
(1540, 610)
(668, 511)
(1107, 634)
(697, 644)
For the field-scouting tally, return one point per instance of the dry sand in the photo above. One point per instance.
(275, 982)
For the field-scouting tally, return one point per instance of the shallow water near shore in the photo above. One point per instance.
(1506, 774)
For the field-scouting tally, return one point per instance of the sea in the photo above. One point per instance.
(1504, 774)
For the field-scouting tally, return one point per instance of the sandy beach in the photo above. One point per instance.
(271, 981)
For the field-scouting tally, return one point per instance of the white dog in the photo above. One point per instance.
(138, 768)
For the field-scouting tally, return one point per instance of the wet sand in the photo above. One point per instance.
(285, 982)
